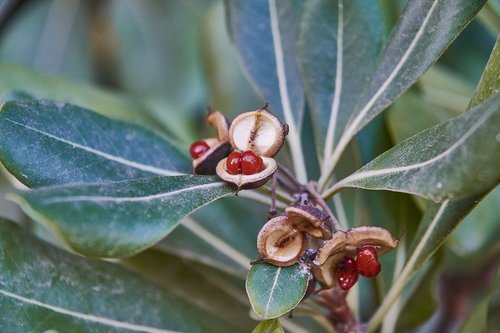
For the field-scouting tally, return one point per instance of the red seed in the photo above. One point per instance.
(367, 262)
(250, 163)
(198, 148)
(233, 163)
(347, 275)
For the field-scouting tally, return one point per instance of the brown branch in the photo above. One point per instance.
(313, 192)
(339, 315)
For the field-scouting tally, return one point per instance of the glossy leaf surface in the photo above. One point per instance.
(47, 143)
(273, 291)
(423, 32)
(47, 289)
(264, 33)
(454, 159)
(335, 38)
(120, 218)
(269, 55)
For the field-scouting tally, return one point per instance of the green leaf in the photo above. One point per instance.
(264, 33)
(439, 220)
(119, 219)
(490, 80)
(47, 143)
(454, 159)
(269, 326)
(46, 288)
(273, 291)
(221, 235)
(41, 86)
(423, 115)
(480, 230)
(420, 300)
(335, 38)
(197, 283)
(424, 31)
(476, 321)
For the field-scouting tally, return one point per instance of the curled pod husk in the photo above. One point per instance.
(219, 147)
(278, 243)
(241, 181)
(379, 238)
(220, 122)
(310, 219)
(327, 257)
(342, 244)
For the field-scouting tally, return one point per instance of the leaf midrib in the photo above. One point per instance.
(128, 199)
(332, 123)
(371, 173)
(121, 160)
(85, 316)
(352, 128)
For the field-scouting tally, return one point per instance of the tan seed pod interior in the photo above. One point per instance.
(279, 243)
(311, 220)
(259, 131)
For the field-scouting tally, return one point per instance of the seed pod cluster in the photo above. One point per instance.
(206, 153)
(350, 253)
(283, 240)
(256, 137)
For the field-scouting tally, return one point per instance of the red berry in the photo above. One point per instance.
(367, 262)
(251, 163)
(347, 275)
(233, 163)
(198, 148)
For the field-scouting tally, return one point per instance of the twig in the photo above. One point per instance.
(290, 175)
(339, 314)
(272, 209)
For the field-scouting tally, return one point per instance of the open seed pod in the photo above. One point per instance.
(279, 243)
(346, 244)
(262, 133)
(219, 147)
(310, 219)
(379, 238)
(327, 257)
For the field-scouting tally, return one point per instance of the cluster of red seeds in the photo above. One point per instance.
(366, 264)
(198, 148)
(246, 163)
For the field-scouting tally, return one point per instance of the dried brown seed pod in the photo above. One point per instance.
(262, 133)
(377, 237)
(278, 243)
(310, 219)
(342, 244)
(329, 254)
(219, 147)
